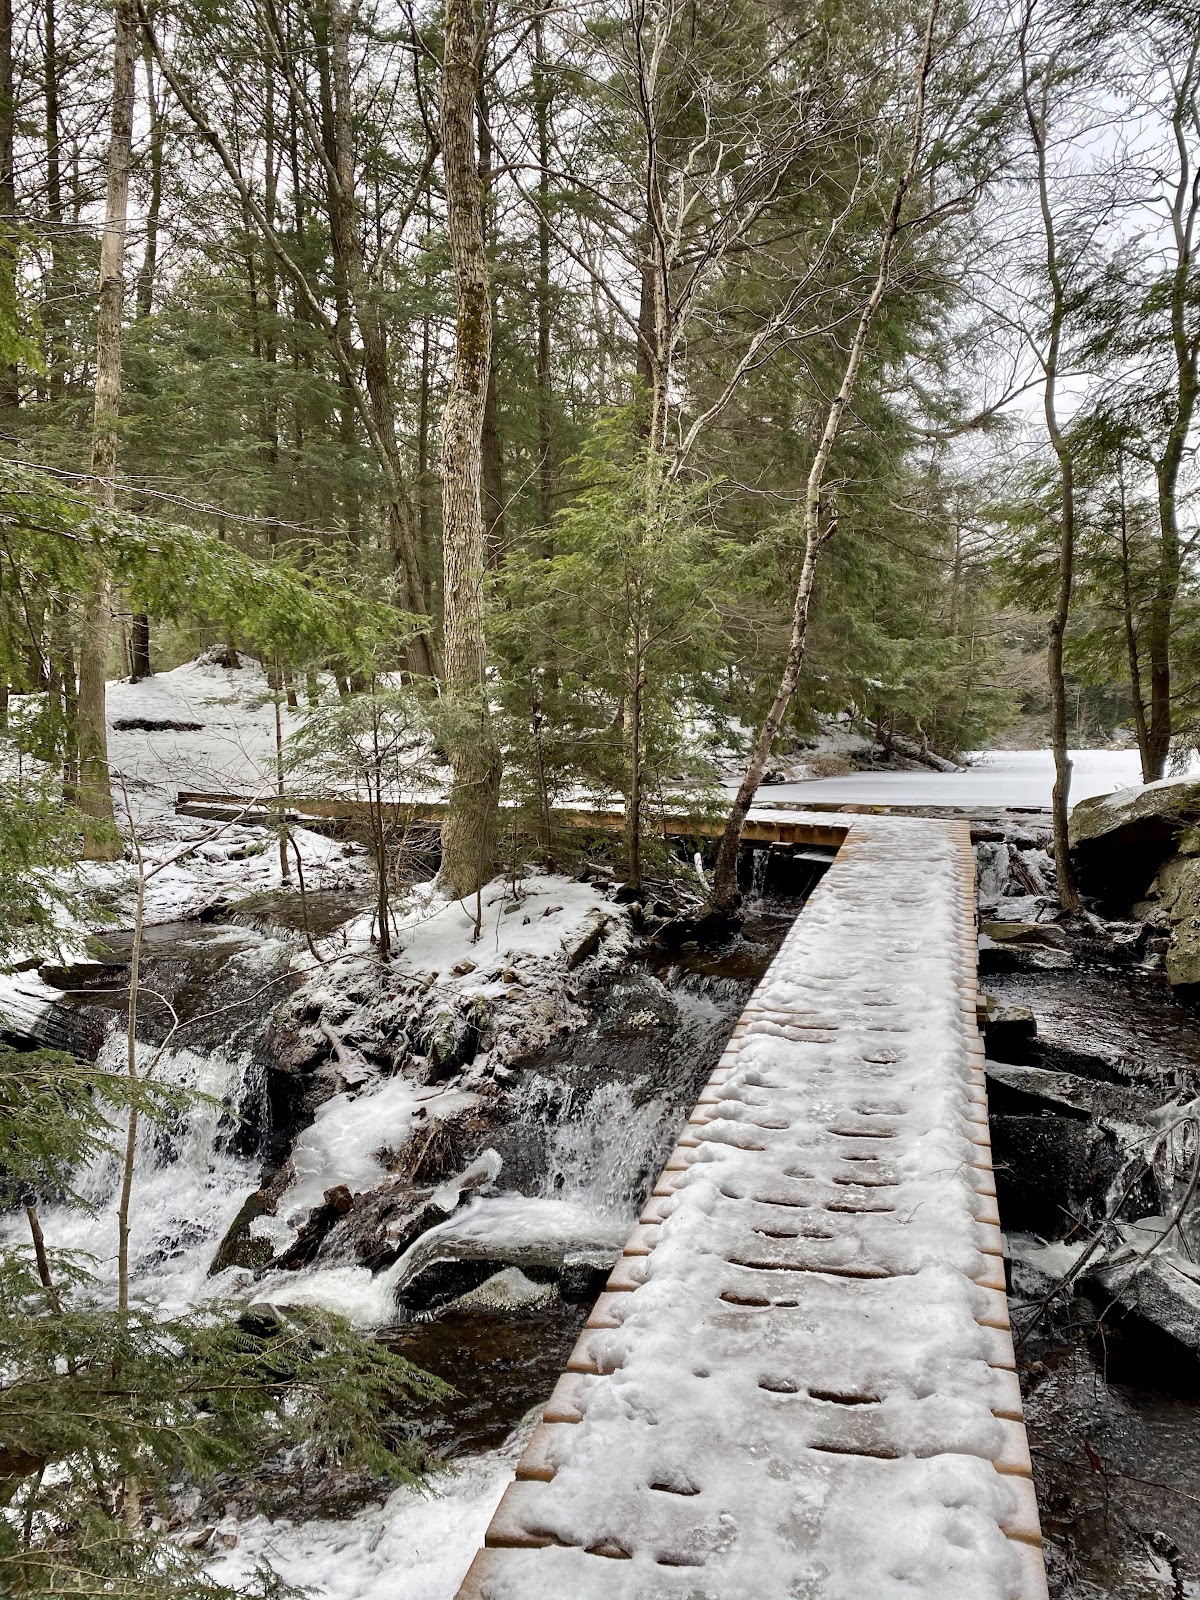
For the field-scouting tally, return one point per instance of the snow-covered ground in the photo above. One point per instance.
(999, 778)
(232, 749)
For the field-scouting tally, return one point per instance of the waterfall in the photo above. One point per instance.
(604, 1145)
(188, 1182)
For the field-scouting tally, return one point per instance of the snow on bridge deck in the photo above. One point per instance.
(772, 824)
(800, 1380)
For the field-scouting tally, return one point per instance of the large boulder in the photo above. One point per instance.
(1177, 891)
(1119, 841)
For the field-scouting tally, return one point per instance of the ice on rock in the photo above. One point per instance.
(483, 1170)
(352, 1132)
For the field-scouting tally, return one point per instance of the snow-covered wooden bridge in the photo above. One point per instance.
(800, 1380)
(764, 825)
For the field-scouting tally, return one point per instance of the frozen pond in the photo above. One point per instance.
(999, 778)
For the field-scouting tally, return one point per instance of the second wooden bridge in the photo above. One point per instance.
(762, 826)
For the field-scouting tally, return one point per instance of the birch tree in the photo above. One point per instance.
(819, 522)
(1145, 327)
(1037, 84)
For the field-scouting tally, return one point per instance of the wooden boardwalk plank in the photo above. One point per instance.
(800, 1381)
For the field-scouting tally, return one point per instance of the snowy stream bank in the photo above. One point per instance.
(564, 1090)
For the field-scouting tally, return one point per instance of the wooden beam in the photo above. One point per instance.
(828, 831)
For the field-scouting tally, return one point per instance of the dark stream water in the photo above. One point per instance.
(1112, 1404)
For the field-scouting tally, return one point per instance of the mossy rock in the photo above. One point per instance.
(1178, 892)
(451, 1041)
(239, 1247)
(1119, 841)
(1025, 933)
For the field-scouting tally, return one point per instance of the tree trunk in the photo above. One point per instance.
(348, 251)
(1036, 117)
(541, 91)
(149, 268)
(1137, 704)
(632, 731)
(467, 833)
(493, 457)
(139, 649)
(492, 477)
(1185, 351)
(9, 244)
(724, 896)
(139, 646)
(341, 292)
(52, 315)
(95, 794)
(424, 483)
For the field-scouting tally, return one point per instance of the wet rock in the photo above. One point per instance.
(239, 1247)
(1011, 861)
(509, 1290)
(588, 942)
(1037, 1268)
(381, 1225)
(84, 974)
(1020, 954)
(1008, 1029)
(581, 1280)
(378, 1226)
(1025, 933)
(294, 1095)
(1165, 1290)
(322, 1220)
(1021, 1086)
(1049, 1168)
(29, 1023)
(548, 1240)
(1103, 938)
(1177, 891)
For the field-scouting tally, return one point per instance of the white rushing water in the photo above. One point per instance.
(188, 1184)
(591, 1149)
(416, 1546)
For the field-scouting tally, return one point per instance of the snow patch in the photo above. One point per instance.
(996, 779)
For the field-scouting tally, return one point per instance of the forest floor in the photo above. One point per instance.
(208, 727)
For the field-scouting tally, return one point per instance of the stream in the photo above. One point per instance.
(1112, 1404)
(578, 1133)
(492, 1299)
